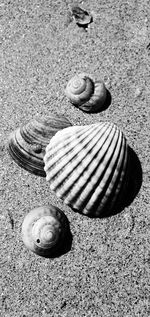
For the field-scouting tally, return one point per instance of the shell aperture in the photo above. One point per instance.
(87, 167)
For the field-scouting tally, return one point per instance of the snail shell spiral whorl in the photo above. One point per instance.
(79, 89)
(44, 230)
(86, 93)
(86, 166)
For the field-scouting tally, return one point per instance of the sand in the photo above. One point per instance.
(106, 272)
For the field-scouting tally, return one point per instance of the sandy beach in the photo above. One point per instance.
(106, 271)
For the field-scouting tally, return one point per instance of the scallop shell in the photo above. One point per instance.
(44, 230)
(86, 93)
(86, 166)
(82, 17)
(27, 144)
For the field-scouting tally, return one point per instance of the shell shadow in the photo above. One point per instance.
(133, 185)
(136, 177)
(130, 191)
(107, 102)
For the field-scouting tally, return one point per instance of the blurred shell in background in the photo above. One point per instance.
(44, 230)
(82, 17)
(87, 167)
(26, 145)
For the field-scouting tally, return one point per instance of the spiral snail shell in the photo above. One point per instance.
(44, 230)
(86, 93)
(87, 167)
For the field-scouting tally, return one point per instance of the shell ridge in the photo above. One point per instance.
(110, 167)
(27, 137)
(86, 184)
(32, 132)
(112, 181)
(81, 151)
(16, 149)
(49, 162)
(40, 222)
(77, 169)
(25, 163)
(56, 138)
(73, 129)
(91, 96)
(96, 183)
(21, 153)
(76, 86)
(83, 92)
(88, 92)
(94, 170)
(120, 181)
(95, 98)
(73, 150)
(21, 143)
(34, 135)
(27, 143)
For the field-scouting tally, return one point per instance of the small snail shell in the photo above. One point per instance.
(44, 230)
(85, 93)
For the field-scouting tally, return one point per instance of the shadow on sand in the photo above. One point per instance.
(132, 187)
(107, 102)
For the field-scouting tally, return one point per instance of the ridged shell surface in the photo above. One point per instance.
(86, 166)
(27, 144)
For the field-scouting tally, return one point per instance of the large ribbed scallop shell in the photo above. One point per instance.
(27, 144)
(86, 93)
(44, 230)
(86, 166)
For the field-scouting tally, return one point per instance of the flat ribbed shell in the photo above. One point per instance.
(86, 166)
(27, 144)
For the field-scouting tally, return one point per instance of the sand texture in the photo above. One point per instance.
(106, 272)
